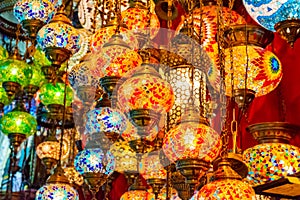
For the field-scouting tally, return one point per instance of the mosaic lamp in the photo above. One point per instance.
(153, 171)
(48, 151)
(192, 145)
(283, 17)
(59, 39)
(227, 185)
(14, 74)
(33, 14)
(273, 158)
(57, 187)
(18, 125)
(95, 165)
(144, 97)
(138, 19)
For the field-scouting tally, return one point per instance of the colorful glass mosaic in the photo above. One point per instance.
(103, 35)
(14, 70)
(57, 191)
(86, 15)
(150, 166)
(73, 176)
(126, 160)
(95, 161)
(225, 189)
(146, 90)
(137, 20)
(48, 149)
(59, 34)
(269, 13)
(105, 119)
(137, 195)
(210, 25)
(191, 140)
(271, 161)
(54, 94)
(42, 10)
(18, 122)
(264, 70)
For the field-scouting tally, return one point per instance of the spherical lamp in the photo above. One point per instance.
(33, 14)
(283, 17)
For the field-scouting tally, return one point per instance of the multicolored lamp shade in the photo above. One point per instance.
(59, 33)
(121, 58)
(192, 139)
(57, 191)
(271, 161)
(126, 158)
(103, 35)
(73, 176)
(94, 160)
(48, 149)
(42, 10)
(151, 167)
(105, 119)
(264, 70)
(54, 94)
(137, 20)
(209, 24)
(269, 13)
(225, 189)
(137, 195)
(146, 90)
(18, 122)
(14, 70)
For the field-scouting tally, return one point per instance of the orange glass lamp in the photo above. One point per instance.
(137, 195)
(153, 171)
(193, 145)
(273, 158)
(228, 185)
(138, 19)
(144, 97)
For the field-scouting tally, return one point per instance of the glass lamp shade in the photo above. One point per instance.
(39, 58)
(191, 140)
(18, 122)
(126, 159)
(86, 15)
(13, 70)
(48, 149)
(271, 161)
(73, 176)
(151, 167)
(94, 160)
(269, 13)
(225, 189)
(145, 89)
(209, 24)
(59, 34)
(263, 75)
(3, 53)
(54, 94)
(4, 99)
(103, 35)
(121, 59)
(137, 195)
(137, 20)
(57, 191)
(105, 119)
(42, 10)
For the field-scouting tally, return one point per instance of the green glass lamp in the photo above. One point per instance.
(36, 81)
(53, 94)
(3, 53)
(14, 74)
(4, 100)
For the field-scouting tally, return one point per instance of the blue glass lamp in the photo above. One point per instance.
(274, 15)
